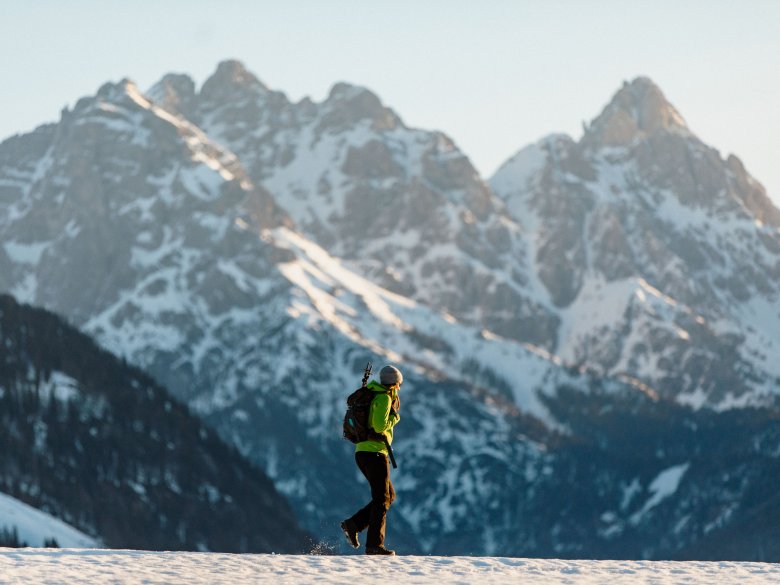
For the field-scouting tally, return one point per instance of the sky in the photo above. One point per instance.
(495, 75)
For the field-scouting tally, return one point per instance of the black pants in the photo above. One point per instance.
(374, 514)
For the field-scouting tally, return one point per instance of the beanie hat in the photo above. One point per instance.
(390, 375)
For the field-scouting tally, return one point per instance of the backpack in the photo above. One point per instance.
(356, 425)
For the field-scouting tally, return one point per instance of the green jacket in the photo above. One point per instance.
(380, 418)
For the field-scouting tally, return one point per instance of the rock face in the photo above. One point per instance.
(565, 331)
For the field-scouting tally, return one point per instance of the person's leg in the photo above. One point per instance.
(382, 495)
(360, 519)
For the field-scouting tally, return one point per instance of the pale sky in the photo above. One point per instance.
(493, 74)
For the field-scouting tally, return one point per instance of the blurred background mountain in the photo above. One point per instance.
(587, 335)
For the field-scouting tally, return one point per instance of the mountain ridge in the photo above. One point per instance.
(255, 251)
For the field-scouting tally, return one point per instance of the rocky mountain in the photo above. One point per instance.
(628, 212)
(661, 256)
(206, 284)
(572, 350)
(98, 444)
(404, 207)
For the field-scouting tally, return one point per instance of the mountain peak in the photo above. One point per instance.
(638, 109)
(346, 91)
(232, 76)
(173, 83)
(235, 72)
(111, 90)
(347, 104)
(175, 92)
(123, 92)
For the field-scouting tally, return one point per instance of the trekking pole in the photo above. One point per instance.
(366, 374)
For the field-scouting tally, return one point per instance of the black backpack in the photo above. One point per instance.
(356, 425)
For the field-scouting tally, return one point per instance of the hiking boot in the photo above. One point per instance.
(379, 550)
(349, 531)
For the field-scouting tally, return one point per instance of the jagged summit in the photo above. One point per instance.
(234, 93)
(124, 92)
(181, 83)
(231, 77)
(178, 85)
(175, 92)
(347, 104)
(344, 90)
(234, 72)
(111, 90)
(638, 109)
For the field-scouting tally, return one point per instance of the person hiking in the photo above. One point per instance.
(371, 459)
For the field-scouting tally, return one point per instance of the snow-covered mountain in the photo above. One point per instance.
(144, 232)
(252, 254)
(403, 206)
(662, 257)
(582, 247)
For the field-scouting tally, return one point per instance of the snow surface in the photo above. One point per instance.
(34, 526)
(30, 566)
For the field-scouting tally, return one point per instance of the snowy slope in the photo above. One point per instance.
(34, 527)
(404, 330)
(32, 567)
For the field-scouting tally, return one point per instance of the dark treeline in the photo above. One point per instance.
(116, 456)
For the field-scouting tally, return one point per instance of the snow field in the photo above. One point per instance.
(32, 566)
(34, 526)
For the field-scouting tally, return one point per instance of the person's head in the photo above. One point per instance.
(391, 377)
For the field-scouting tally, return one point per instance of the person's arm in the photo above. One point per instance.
(381, 419)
